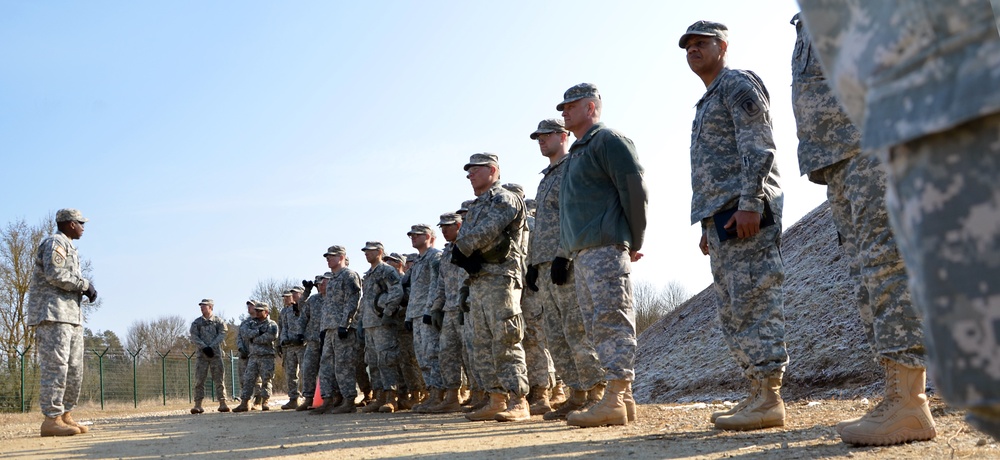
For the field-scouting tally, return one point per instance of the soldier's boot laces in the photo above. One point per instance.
(450, 403)
(307, 402)
(68, 420)
(558, 395)
(293, 403)
(594, 396)
(902, 416)
(346, 406)
(242, 407)
(327, 406)
(390, 403)
(223, 407)
(609, 411)
(539, 401)
(576, 400)
(496, 405)
(754, 388)
(375, 404)
(765, 411)
(55, 426)
(197, 409)
(518, 410)
(434, 399)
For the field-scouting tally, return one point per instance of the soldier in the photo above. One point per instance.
(382, 349)
(573, 353)
(738, 201)
(259, 338)
(312, 318)
(339, 360)
(56, 290)
(423, 278)
(830, 154)
(292, 339)
(244, 351)
(489, 247)
(207, 333)
(930, 109)
(396, 260)
(445, 314)
(602, 221)
(409, 369)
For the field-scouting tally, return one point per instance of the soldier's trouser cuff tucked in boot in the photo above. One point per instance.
(765, 411)
(902, 416)
(609, 411)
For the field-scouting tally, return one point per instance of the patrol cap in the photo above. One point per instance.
(327, 276)
(287, 293)
(578, 92)
(412, 257)
(318, 278)
(206, 302)
(705, 29)
(551, 125)
(396, 257)
(465, 206)
(450, 218)
(250, 303)
(482, 159)
(261, 306)
(335, 250)
(70, 215)
(369, 245)
(420, 229)
(530, 203)
(515, 189)
(298, 289)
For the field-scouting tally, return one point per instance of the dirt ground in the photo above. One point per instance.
(663, 431)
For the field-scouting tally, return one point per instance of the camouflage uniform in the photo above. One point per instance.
(409, 370)
(451, 348)
(495, 292)
(571, 350)
(312, 317)
(54, 296)
(423, 283)
(260, 337)
(541, 371)
(209, 333)
(340, 356)
(732, 166)
(243, 348)
(292, 339)
(924, 93)
(382, 350)
(602, 216)
(829, 152)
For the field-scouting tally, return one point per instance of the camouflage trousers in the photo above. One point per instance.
(604, 291)
(370, 359)
(572, 352)
(382, 354)
(243, 371)
(856, 192)
(541, 371)
(498, 354)
(408, 367)
(748, 276)
(361, 376)
(425, 346)
(468, 339)
(944, 201)
(218, 368)
(291, 362)
(60, 360)
(310, 368)
(338, 365)
(451, 351)
(258, 367)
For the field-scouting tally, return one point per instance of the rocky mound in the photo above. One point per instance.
(683, 357)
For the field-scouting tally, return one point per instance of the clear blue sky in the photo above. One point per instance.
(215, 144)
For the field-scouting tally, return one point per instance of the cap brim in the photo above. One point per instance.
(469, 165)
(685, 37)
(539, 132)
(560, 106)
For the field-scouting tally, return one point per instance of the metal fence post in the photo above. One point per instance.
(163, 374)
(100, 370)
(135, 380)
(190, 399)
(21, 355)
(232, 369)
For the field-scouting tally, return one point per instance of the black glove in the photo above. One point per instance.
(472, 264)
(91, 293)
(560, 271)
(379, 311)
(408, 325)
(427, 319)
(531, 278)
(461, 318)
(208, 351)
(300, 340)
(463, 298)
(244, 355)
(342, 333)
(437, 319)
(308, 284)
(322, 338)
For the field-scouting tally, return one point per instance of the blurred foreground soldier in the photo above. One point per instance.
(445, 312)
(737, 200)
(292, 339)
(602, 221)
(929, 106)
(260, 340)
(339, 360)
(382, 348)
(423, 279)
(830, 153)
(243, 348)
(207, 333)
(54, 296)
(312, 317)
(550, 273)
(489, 247)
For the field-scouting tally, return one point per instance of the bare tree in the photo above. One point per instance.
(651, 304)
(269, 290)
(167, 333)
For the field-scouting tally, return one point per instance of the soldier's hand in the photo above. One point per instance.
(342, 333)
(408, 324)
(208, 351)
(308, 284)
(461, 318)
(703, 244)
(472, 264)
(635, 255)
(560, 271)
(427, 319)
(531, 278)
(746, 223)
(463, 298)
(300, 340)
(91, 293)
(244, 355)
(437, 319)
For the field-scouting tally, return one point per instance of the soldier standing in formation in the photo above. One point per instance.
(422, 278)
(312, 318)
(382, 348)
(338, 370)
(207, 334)
(292, 340)
(243, 348)
(258, 338)
(446, 312)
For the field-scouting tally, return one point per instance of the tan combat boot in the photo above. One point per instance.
(594, 396)
(609, 411)
(242, 407)
(629, 401)
(765, 411)
(576, 400)
(754, 388)
(263, 404)
(256, 403)
(293, 403)
(539, 401)
(558, 395)
(390, 403)
(197, 409)
(68, 419)
(54, 426)
(518, 410)
(375, 404)
(477, 401)
(327, 406)
(306, 404)
(902, 416)
(496, 405)
(346, 406)
(223, 407)
(449, 404)
(434, 399)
